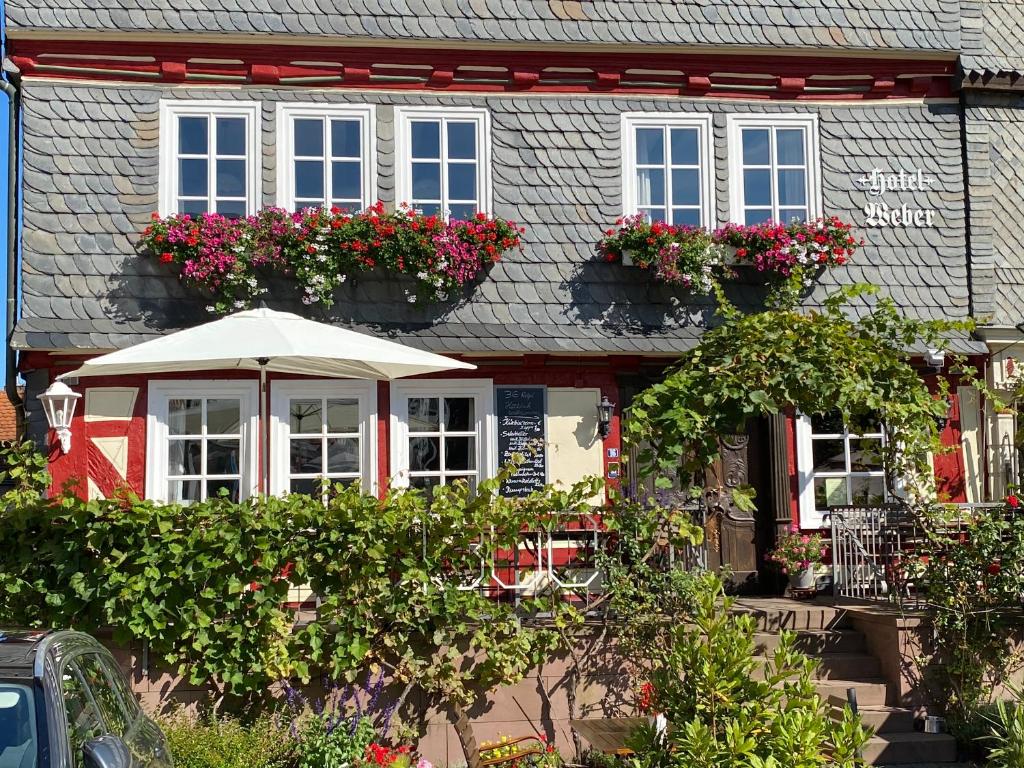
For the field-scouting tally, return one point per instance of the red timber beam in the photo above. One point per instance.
(722, 75)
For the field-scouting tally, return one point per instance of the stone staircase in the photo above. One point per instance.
(845, 664)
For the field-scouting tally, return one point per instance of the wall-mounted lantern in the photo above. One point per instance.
(59, 402)
(605, 409)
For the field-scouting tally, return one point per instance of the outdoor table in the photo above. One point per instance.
(608, 734)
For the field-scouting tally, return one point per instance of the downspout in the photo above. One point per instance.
(8, 85)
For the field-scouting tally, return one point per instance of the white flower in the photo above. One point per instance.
(412, 299)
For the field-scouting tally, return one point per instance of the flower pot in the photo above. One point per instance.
(627, 258)
(802, 580)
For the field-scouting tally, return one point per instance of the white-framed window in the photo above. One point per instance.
(667, 168)
(326, 156)
(774, 168)
(442, 160)
(441, 431)
(209, 157)
(323, 429)
(837, 467)
(201, 438)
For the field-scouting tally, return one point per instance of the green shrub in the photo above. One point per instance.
(228, 743)
(1006, 742)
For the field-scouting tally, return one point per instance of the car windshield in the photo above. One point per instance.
(18, 747)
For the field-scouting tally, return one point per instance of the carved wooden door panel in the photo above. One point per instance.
(731, 533)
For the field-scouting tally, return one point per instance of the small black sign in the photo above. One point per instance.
(520, 412)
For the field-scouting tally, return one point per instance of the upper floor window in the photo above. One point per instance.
(838, 467)
(666, 168)
(773, 168)
(209, 157)
(325, 156)
(442, 160)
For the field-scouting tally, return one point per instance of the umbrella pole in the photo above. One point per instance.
(264, 430)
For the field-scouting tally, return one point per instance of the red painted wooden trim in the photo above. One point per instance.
(465, 69)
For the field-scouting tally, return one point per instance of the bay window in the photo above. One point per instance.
(201, 440)
(209, 157)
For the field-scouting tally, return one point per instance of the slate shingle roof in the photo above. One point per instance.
(992, 38)
(848, 24)
(91, 182)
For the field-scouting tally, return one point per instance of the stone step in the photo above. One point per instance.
(883, 720)
(840, 666)
(910, 748)
(773, 615)
(870, 693)
(816, 641)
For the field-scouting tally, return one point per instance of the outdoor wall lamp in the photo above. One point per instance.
(59, 402)
(935, 359)
(605, 409)
(942, 421)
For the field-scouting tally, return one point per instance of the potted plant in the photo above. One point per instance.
(797, 554)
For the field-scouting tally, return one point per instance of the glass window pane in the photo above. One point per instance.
(232, 209)
(689, 217)
(753, 216)
(650, 146)
(462, 141)
(424, 454)
(867, 490)
(184, 491)
(193, 136)
(424, 483)
(216, 486)
(426, 181)
(786, 215)
(654, 214)
(460, 453)
(184, 417)
(755, 146)
(193, 177)
(685, 186)
(18, 729)
(194, 207)
(346, 183)
(685, 149)
(309, 137)
(792, 188)
(309, 179)
(222, 457)
(305, 416)
(789, 146)
(865, 455)
(829, 455)
(84, 722)
(223, 416)
(462, 211)
(428, 209)
(830, 423)
(309, 486)
(424, 414)
(650, 186)
(459, 414)
(120, 684)
(342, 454)
(462, 181)
(106, 698)
(345, 138)
(426, 139)
(343, 415)
(306, 456)
(231, 136)
(830, 492)
(231, 178)
(757, 187)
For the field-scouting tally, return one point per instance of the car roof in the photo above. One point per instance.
(18, 646)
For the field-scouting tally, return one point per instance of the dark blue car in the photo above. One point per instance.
(64, 703)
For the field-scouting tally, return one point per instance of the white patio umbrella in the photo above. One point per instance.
(265, 340)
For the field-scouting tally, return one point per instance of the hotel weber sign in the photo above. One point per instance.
(892, 211)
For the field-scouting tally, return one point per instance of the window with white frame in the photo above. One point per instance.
(838, 467)
(201, 439)
(209, 157)
(442, 431)
(323, 430)
(325, 156)
(774, 168)
(666, 168)
(443, 160)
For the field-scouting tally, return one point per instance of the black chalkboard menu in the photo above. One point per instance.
(520, 412)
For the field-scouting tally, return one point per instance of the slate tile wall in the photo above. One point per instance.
(846, 24)
(91, 183)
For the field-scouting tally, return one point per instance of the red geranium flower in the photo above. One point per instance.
(1013, 501)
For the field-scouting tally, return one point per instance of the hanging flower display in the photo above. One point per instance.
(234, 260)
(688, 256)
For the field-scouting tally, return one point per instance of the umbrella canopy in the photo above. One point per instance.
(265, 340)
